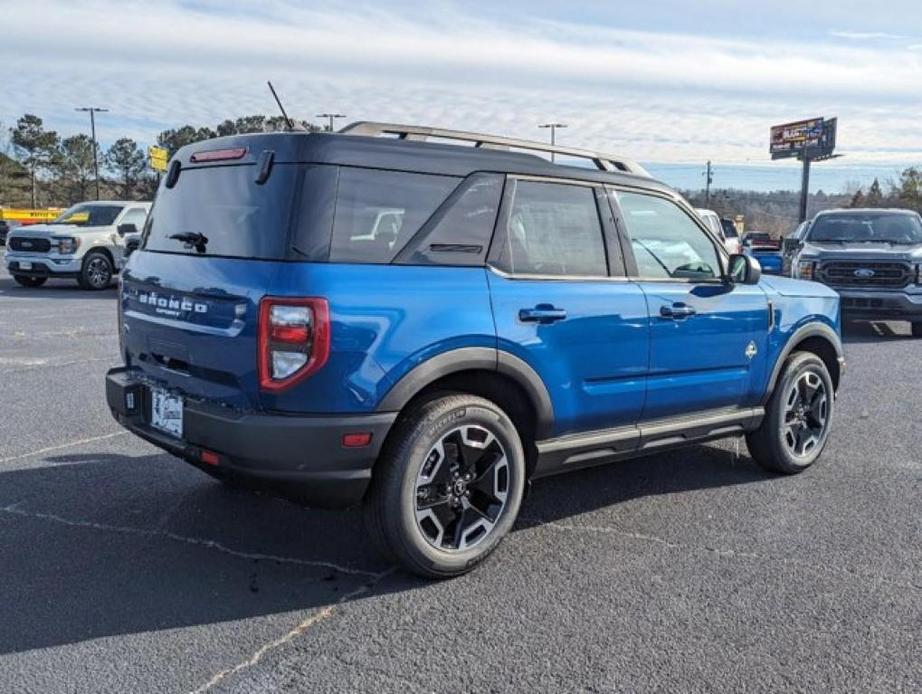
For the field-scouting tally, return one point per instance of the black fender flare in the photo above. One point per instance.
(471, 358)
(820, 330)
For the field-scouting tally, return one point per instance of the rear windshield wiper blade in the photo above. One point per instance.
(192, 239)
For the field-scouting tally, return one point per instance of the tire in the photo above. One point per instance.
(26, 281)
(798, 417)
(97, 271)
(917, 329)
(447, 487)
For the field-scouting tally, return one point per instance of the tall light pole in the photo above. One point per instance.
(331, 116)
(553, 127)
(93, 110)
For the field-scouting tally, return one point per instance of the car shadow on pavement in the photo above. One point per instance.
(53, 288)
(103, 545)
(681, 470)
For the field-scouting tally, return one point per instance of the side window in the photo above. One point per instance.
(666, 241)
(136, 216)
(377, 212)
(552, 229)
(459, 233)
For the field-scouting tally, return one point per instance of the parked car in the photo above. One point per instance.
(765, 249)
(713, 222)
(790, 244)
(86, 242)
(871, 257)
(5, 226)
(520, 318)
(731, 236)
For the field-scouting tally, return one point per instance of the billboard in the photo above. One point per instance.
(816, 136)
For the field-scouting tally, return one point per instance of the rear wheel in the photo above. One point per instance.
(448, 487)
(96, 272)
(797, 418)
(917, 329)
(27, 281)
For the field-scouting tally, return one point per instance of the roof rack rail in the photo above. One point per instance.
(603, 162)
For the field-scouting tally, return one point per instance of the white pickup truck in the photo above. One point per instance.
(88, 242)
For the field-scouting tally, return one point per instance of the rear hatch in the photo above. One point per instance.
(190, 297)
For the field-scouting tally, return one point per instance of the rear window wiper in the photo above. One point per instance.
(192, 239)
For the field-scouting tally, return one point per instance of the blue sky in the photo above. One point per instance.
(656, 81)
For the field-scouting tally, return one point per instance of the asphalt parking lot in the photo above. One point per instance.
(124, 569)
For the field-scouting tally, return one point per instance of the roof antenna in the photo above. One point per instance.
(291, 124)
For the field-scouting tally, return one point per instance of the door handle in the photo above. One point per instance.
(542, 313)
(677, 311)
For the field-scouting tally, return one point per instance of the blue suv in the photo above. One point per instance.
(423, 320)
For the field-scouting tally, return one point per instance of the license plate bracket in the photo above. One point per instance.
(166, 412)
(25, 265)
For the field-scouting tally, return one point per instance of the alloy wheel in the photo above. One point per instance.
(98, 272)
(806, 414)
(461, 488)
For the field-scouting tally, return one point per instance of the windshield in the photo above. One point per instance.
(867, 228)
(89, 215)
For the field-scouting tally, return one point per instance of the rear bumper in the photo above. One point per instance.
(880, 304)
(297, 456)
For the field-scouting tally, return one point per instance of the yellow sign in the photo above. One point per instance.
(22, 214)
(158, 157)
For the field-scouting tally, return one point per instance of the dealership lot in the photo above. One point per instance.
(124, 569)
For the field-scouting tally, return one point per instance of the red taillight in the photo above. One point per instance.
(218, 154)
(209, 457)
(294, 340)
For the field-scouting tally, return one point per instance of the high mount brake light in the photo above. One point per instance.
(218, 155)
(294, 340)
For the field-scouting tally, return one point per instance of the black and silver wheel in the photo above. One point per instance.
(797, 418)
(26, 281)
(96, 272)
(448, 487)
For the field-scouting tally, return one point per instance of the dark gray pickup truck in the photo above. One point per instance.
(872, 257)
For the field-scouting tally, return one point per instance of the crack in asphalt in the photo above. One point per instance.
(609, 530)
(185, 539)
(294, 633)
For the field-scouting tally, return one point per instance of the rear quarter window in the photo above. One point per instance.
(378, 212)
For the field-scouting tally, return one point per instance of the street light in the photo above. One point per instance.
(331, 116)
(553, 127)
(93, 110)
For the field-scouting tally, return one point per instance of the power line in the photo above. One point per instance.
(93, 110)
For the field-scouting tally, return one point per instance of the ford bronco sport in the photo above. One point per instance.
(87, 242)
(424, 327)
(872, 257)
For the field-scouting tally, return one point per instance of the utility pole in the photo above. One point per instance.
(93, 110)
(331, 116)
(553, 127)
(709, 179)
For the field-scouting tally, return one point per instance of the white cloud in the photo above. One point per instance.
(652, 96)
(867, 35)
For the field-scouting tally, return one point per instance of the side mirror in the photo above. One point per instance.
(125, 229)
(744, 269)
(131, 246)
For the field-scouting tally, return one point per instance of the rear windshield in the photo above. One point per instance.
(221, 210)
(729, 229)
(867, 228)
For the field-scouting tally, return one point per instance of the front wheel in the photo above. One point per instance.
(797, 418)
(447, 487)
(96, 272)
(26, 281)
